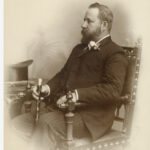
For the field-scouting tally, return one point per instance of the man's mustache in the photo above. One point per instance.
(83, 31)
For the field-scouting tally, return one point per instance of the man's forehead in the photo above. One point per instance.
(92, 13)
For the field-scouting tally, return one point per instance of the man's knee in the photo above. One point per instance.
(53, 120)
(23, 125)
(52, 117)
(23, 120)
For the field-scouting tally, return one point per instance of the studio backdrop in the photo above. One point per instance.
(47, 30)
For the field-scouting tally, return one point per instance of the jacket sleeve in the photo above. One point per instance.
(55, 83)
(111, 86)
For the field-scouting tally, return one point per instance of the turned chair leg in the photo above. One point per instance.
(69, 120)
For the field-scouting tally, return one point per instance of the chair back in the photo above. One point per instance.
(129, 90)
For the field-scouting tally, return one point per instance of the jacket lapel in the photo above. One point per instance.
(83, 51)
(85, 48)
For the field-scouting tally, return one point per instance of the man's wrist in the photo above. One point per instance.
(75, 96)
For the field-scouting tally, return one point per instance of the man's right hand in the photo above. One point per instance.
(45, 91)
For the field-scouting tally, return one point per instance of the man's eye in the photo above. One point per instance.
(90, 21)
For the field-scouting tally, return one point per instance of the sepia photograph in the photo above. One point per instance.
(75, 75)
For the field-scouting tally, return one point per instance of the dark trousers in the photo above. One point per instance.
(50, 131)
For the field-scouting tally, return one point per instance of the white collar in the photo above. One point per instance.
(94, 44)
(102, 38)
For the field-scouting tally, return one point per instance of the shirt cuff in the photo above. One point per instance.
(77, 95)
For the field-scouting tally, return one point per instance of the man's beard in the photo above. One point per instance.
(87, 37)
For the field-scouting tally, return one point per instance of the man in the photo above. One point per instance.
(95, 73)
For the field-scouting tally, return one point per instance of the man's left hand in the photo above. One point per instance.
(63, 99)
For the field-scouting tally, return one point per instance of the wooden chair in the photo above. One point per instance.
(115, 138)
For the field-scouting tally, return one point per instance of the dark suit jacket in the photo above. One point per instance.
(98, 77)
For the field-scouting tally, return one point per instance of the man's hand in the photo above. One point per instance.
(45, 91)
(63, 99)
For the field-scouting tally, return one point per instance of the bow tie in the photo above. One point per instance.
(93, 45)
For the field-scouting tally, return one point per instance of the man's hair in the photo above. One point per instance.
(105, 14)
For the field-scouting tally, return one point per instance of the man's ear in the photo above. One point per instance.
(104, 26)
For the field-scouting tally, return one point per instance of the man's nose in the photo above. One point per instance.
(84, 25)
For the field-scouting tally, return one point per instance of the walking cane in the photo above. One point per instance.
(38, 101)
